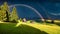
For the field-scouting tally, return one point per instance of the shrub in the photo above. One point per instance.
(14, 21)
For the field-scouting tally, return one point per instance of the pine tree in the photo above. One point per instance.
(0, 14)
(14, 16)
(5, 11)
(5, 6)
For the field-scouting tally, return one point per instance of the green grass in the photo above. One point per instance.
(50, 29)
(28, 28)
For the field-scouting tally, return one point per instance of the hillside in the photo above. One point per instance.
(29, 28)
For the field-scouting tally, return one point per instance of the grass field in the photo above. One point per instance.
(29, 28)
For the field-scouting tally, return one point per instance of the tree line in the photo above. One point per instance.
(6, 15)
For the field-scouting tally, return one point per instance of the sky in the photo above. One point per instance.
(46, 8)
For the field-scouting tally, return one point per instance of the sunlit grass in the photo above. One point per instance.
(47, 28)
(54, 29)
(50, 29)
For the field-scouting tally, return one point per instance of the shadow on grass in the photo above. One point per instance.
(22, 29)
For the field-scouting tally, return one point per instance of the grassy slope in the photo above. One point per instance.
(51, 29)
(29, 28)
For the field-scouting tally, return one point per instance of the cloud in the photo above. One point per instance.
(56, 14)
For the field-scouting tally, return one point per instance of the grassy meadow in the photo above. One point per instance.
(28, 28)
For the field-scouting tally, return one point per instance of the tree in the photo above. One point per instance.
(5, 11)
(14, 16)
(5, 14)
(52, 21)
(0, 14)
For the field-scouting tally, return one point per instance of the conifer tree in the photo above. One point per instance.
(14, 15)
(0, 14)
(5, 11)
